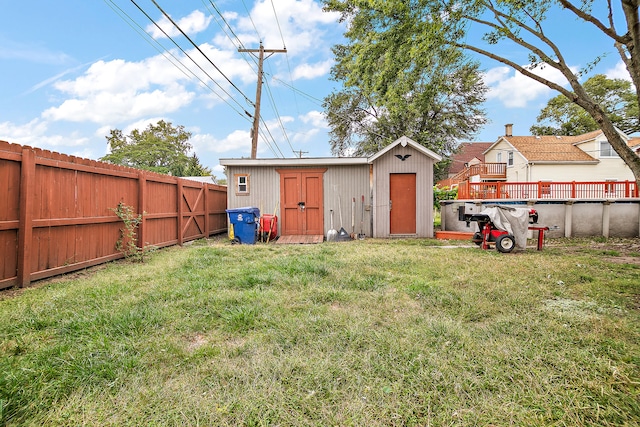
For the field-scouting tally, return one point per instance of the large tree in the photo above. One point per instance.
(516, 24)
(616, 96)
(433, 99)
(161, 148)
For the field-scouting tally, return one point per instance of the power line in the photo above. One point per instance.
(200, 50)
(240, 44)
(284, 45)
(189, 56)
(275, 108)
(251, 19)
(176, 62)
(256, 117)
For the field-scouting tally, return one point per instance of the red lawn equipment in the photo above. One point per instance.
(490, 234)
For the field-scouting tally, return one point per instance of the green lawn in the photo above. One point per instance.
(363, 333)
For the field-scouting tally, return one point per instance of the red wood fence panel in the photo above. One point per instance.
(56, 212)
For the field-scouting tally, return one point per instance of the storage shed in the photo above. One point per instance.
(389, 194)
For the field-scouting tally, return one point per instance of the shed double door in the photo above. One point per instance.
(301, 199)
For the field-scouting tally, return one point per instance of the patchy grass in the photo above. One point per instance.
(372, 332)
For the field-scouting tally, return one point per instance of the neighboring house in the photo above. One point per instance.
(396, 183)
(585, 158)
(467, 154)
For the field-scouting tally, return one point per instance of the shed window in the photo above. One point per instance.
(242, 184)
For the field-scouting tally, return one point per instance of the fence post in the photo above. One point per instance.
(142, 204)
(606, 218)
(568, 218)
(180, 191)
(25, 227)
(207, 221)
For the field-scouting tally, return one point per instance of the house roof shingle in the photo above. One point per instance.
(466, 152)
(552, 148)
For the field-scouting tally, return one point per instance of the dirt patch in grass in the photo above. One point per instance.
(613, 249)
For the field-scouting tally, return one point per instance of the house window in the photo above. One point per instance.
(606, 150)
(510, 158)
(499, 157)
(242, 184)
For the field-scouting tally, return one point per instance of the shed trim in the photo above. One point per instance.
(296, 162)
(404, 141)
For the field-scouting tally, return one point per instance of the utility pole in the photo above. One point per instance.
(256, 116)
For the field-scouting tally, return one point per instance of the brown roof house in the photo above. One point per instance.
(587, 158)
(389, 194)
(467, 154)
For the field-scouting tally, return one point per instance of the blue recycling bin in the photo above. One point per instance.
(243, 225)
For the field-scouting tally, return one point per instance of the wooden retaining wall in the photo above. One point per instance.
(56, 212)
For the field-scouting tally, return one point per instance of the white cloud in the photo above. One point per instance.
(618, 72)
(116, 91)
(238, 140)
(515, 90)
(118, 107)
(315, 118)
(300, 23)
(191, 24)
(36, 134)
(311, 71)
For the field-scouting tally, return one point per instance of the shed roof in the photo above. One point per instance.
(330, 161)
(404, 141)
(295, 161)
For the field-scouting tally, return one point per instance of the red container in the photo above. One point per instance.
(268, 226)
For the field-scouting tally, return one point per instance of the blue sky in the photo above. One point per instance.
(72, 70)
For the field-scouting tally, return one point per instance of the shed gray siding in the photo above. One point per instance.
(346, 183)
(339, 182)
(383, 167)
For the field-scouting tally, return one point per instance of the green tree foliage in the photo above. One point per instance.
(160, 148)
(444, 193)
(391, 89)
(427, 29)
(563, 117)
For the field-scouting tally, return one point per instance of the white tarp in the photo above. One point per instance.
(514, 221)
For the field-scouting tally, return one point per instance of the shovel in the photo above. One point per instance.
(332, 233)
(361, 235)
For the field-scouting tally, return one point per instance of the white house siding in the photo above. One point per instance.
(606, 169)
(519, 171)
(419, 164)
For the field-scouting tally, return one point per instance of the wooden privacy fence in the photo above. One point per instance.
(548, 190)
(56, 212)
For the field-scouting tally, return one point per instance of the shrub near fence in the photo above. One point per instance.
(56, 212)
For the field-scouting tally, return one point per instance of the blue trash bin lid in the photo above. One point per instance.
(248, 209)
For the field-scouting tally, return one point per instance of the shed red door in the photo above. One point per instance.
(301, 199)
(402, 203)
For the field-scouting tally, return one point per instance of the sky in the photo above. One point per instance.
(72, 70)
